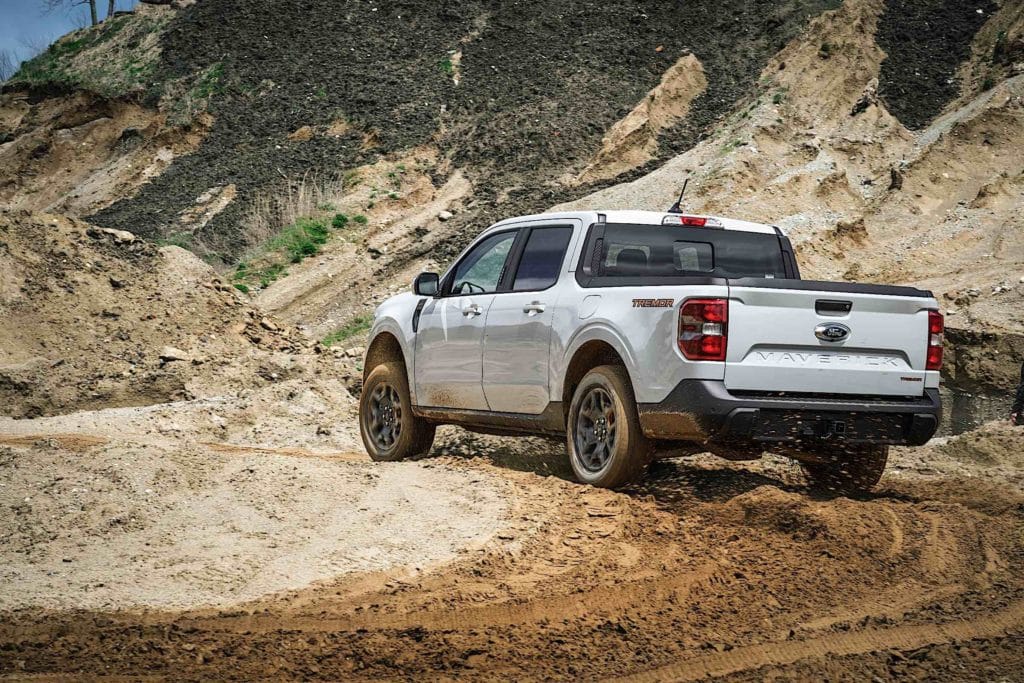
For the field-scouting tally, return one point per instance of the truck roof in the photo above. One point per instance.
(641, 218)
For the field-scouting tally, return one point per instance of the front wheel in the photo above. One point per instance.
(389, 429)
(854, 469)
(607, 447)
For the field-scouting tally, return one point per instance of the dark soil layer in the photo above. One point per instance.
(541, 83)
(926, 41)
(974, 660)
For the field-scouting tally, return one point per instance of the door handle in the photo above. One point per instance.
(471, 310)
(534, 307)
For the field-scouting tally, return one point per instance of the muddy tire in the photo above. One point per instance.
(854, 469)
(389, 429)
(606, 446)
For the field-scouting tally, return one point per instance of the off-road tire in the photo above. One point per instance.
(851, 470)
(606, 391)
(385, 404)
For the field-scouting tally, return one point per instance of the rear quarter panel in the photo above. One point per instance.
(641, 324)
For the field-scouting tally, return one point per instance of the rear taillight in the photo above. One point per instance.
(704, 328)
(936, 326)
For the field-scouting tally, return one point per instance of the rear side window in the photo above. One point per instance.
(660, 254)
(542, 258)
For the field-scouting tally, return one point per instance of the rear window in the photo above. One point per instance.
(666, 253)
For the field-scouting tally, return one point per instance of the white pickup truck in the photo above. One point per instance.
(634, 333)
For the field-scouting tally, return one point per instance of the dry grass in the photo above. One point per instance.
(310, 196)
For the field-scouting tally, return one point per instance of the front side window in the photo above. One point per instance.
(542, 259)
(480, 271)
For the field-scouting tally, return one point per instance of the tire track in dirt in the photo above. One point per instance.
(775, 654)
(612, 599)
(238, 449)
(82, 442)
(68, 442)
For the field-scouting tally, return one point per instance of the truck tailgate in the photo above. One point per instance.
(795, 336)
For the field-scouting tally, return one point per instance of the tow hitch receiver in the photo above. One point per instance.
(824, 429)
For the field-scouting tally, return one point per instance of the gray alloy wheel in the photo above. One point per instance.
(387, 424)
(385, 416)
(596, 429)
(606, 444)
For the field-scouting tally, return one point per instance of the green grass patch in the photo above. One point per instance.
(733, 145)
(209, 83)
(242, 287)
(447, 66)
(999, 51)
(176, 239)
(293, 244)
(301, 240)
(358, 325)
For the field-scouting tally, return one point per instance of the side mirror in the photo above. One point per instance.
(425, 284)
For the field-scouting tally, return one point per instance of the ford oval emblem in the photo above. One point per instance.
(831, 332)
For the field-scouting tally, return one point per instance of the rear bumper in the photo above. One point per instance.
(705, 411)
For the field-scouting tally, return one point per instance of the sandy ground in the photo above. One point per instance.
(482, 560)
(124, 526)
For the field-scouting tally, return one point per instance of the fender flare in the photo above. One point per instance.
(595, 331)
(391, 326)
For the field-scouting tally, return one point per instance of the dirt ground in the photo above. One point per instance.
(96, 319)
(237, 530)
(223, 560)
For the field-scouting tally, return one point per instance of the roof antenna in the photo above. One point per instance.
(677, 207)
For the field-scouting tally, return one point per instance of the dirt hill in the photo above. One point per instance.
(821, 152)
(515, 94)
(807, 114)
(95, 317)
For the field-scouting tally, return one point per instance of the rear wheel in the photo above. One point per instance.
(607, 448)
(852, 469)
(389, 429)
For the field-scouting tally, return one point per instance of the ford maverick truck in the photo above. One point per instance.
(634, 333)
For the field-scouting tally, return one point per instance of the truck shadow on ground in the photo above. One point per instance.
(674, 484)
